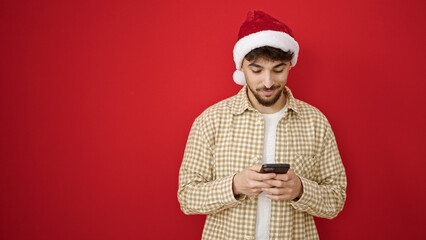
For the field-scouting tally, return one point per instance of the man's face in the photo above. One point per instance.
(266, 80)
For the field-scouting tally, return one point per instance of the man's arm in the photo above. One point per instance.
(322, 199)
(199, 192)
(326, 197)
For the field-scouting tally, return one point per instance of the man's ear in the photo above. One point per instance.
(242, 63)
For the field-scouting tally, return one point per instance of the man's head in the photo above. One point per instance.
(266, 70)
(262, 36)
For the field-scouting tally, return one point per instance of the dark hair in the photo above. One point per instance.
(269, 53)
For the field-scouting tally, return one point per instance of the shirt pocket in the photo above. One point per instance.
(306, 167)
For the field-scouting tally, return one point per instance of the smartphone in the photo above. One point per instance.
(280, 168)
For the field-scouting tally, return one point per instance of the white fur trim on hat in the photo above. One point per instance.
(239, 77)
(276, 39)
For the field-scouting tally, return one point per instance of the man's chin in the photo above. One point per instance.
(268, 100)
(265, 99)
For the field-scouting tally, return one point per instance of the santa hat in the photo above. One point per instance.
(259, 30)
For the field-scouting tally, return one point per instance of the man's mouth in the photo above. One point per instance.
(269, 91)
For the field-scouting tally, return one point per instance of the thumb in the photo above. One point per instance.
(255, 168)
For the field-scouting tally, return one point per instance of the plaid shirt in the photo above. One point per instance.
(228, 137)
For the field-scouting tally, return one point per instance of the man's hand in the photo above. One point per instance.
(250, 182)
(284, 187)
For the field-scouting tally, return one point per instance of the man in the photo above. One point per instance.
(220, 172)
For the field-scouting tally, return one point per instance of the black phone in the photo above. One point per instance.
(280, 168)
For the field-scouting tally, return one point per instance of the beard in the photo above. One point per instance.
(267, 102)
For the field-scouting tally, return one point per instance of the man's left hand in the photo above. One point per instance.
(286, 187)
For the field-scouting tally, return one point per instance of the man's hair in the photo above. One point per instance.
(268, 53)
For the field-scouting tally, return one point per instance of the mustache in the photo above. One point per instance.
(273, 87)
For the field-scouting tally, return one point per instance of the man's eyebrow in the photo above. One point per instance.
(255, 65)
(259, 66)
(279, 65)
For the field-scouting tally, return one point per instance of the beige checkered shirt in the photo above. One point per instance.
(228, 137)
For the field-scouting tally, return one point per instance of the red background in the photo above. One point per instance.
(97, 99)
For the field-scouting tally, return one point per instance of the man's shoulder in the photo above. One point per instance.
(307, 108)
(219, 110)
(309, 112)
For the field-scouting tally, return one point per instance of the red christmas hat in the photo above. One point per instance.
(258, 30)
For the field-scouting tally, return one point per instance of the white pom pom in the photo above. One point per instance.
(239, 77)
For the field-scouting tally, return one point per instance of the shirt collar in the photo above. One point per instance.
(242, 102)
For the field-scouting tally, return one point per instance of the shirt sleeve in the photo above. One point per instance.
(326, 196)
(199, 192)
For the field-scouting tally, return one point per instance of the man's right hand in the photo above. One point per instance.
(250, 182)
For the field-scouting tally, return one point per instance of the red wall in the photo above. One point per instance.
(97, 99)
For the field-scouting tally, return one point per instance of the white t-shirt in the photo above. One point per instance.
(263, 216)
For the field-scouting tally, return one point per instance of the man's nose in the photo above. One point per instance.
(268, 80)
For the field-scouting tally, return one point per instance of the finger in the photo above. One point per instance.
(264, 176)
(282, 184)
(255, 168)
(254, 192)
(275, 191)
(283, 177)
(278, 197)
(275, 183)
(258, 185)
(290, 175)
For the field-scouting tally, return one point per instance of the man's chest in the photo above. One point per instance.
(239, 144)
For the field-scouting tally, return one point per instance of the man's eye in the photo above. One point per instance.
(278, 71)
(256, 71)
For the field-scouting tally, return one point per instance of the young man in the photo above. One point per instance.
(220, 172)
